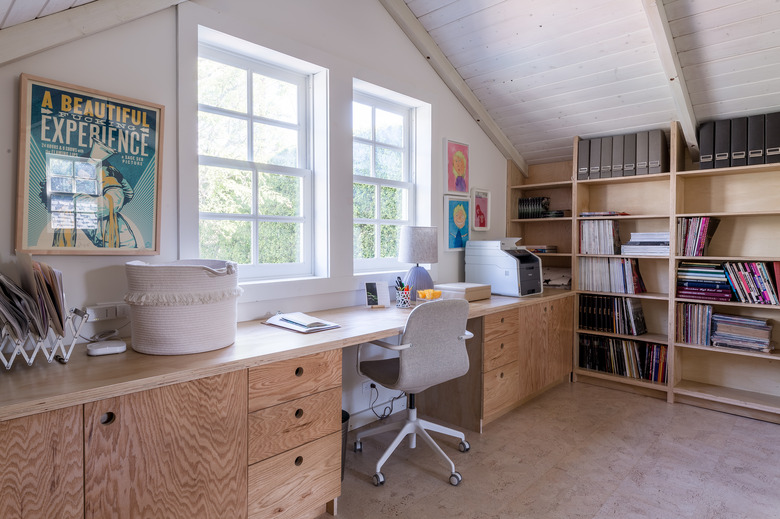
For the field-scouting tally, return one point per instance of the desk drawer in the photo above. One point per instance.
(285, 380)
(502, 390)
(499, 352)
(501, 324)
(279, 428)
(295, 483)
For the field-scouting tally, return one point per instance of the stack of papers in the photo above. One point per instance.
(35, 306)
(301, 322)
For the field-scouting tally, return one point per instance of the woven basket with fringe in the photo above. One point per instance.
(183, 307)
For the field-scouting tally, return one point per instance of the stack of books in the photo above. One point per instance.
(612, 314)
(703, 281)
(619, 275)
(599, 237)
(625, 357)
(647, 244)
(751, 281)
(733, 331)
(695, 235)
(693, 323)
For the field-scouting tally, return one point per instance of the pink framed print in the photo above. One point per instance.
(480, 209)
(457, 173)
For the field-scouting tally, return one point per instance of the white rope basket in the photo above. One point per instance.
(183, 307)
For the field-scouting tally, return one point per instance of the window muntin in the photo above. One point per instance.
(255, 184)
(383, 180)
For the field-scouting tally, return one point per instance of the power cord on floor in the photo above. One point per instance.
(388, 410)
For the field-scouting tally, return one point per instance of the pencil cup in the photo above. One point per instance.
(403, 299)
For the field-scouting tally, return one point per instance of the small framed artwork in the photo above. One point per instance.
(89, 171)
(480, 209)
(456, 216)
(457, 173)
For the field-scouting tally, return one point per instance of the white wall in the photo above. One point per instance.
(351, 38)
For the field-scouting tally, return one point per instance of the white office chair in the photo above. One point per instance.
(431, 350)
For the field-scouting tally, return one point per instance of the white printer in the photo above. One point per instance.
(508, 268)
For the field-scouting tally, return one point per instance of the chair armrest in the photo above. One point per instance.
(394, 347)
(467, 335)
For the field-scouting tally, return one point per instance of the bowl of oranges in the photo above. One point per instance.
(428, 295)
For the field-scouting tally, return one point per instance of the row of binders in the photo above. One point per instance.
(640, 153)
(742, 141)
(624, 357)
(618, 275)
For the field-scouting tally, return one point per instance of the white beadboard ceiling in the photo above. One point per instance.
(536, 73)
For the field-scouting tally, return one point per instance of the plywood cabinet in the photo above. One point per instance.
(41, 466)
(294, 427)
(515, 355)
(177, 451)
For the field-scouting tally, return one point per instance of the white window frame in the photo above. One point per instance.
(408, 113)
(255, 270)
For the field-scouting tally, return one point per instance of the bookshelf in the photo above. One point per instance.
(553, 180)
(744, 199)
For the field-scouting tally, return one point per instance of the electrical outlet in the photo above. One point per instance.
(367, 386)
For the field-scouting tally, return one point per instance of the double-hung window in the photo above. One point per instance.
(254, 169)
(383, 179)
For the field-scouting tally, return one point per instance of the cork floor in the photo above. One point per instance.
(580, 451)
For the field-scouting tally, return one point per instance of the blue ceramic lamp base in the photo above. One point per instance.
(419, 279)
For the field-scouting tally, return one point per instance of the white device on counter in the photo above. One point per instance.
(106, 347)
(508, 268)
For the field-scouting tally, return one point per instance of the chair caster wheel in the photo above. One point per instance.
(379, 479)
(455, 479)
(358, 446)
(464, 446)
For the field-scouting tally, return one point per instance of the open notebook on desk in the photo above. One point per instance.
(301, 322)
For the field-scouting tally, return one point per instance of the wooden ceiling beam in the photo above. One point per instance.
(415, 31)
(667, 52)
(28, 38)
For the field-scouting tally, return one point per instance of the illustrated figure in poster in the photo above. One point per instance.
(460, 236)
(459, 170)
(480, 216)
(457, 167)
(99, 217)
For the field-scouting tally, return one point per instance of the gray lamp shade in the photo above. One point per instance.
(418, 244)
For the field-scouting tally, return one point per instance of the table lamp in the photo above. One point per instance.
(418, 245)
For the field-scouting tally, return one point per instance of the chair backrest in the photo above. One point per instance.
(438, 352)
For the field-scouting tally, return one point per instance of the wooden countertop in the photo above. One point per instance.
(26, 390)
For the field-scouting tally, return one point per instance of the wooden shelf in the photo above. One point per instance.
(620, 256)
(644, 295)
(726, 258)
(541, 185)
(730, 351)
(729, 214)
(736, 304)
(725, 395)
(660, 386)
(537, 220)
(720, 172)
(626, 217)
(627, 180)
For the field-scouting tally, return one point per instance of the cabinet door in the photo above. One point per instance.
(533, 342)
(560, 327)
(177, 451)
(41, 471)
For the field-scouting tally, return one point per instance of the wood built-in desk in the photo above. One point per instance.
(251, 430)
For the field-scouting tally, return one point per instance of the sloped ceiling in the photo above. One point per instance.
(547, 70)
(536, 73)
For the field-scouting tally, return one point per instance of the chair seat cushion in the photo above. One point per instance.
(384, 371)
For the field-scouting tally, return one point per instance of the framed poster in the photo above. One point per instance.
(456, 216)
(457, 173)
(480, 209)
(89, 171)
